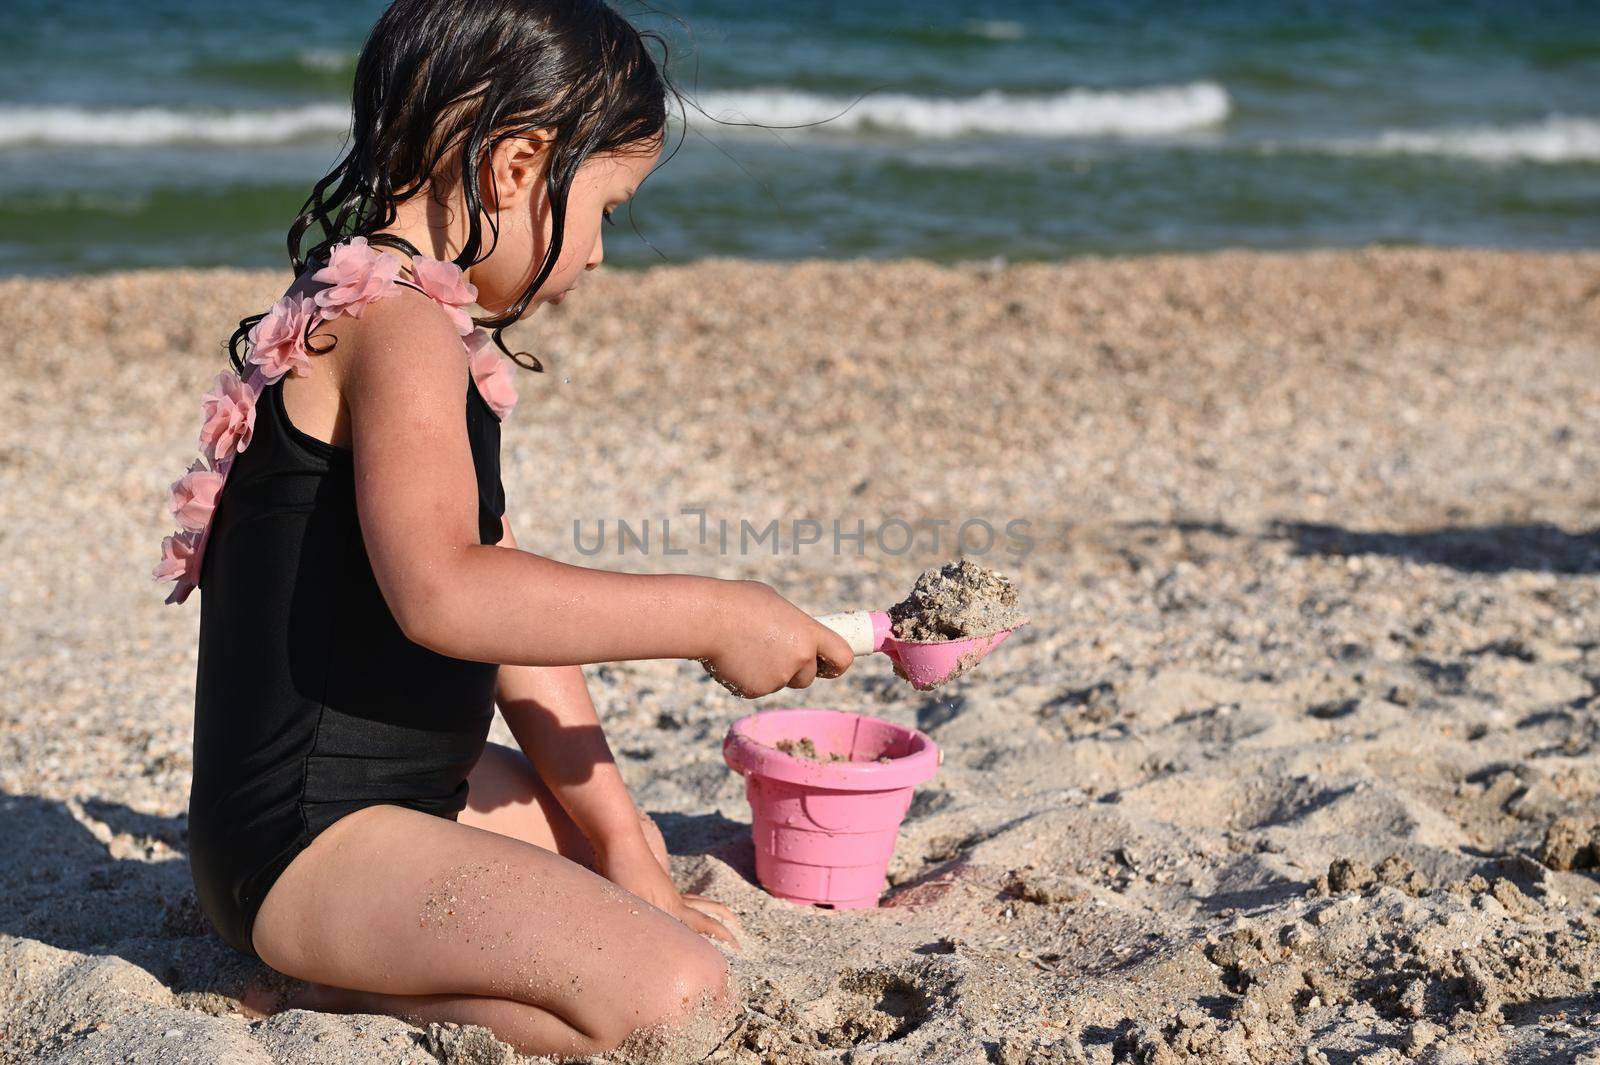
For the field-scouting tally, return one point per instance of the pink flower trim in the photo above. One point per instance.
(277, 342)
(449, 289)
(356, 274)
(194, 497)
(180, 562)
(229, 418)
(491, 372)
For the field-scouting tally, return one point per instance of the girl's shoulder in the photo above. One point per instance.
(354, 283)
(401, 308)
(427, 320)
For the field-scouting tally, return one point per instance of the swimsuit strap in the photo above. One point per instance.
(355, 275)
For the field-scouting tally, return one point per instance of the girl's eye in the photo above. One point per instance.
(608, 218)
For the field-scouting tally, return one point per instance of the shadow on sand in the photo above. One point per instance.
(102, 879)
(1538, 547)
(692, 835)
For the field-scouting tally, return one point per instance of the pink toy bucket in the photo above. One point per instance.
(824, 830)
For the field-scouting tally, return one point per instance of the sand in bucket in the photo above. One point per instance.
(825, 820)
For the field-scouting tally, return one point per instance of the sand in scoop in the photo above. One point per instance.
(957, 601)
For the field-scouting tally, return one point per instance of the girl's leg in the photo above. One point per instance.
(509, 1019)
(446, 921)
(505, 794)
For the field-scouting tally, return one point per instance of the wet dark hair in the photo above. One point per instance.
(440, 83)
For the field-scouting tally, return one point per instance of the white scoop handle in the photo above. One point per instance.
(855, 628)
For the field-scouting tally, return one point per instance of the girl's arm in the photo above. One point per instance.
(404, 385)
(549, 711)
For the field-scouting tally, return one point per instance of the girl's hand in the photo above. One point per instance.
(637, 869)
(765, 643)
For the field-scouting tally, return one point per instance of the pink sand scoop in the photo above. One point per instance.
(824, 830)
(926, 664)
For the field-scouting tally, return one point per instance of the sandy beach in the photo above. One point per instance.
(1296, 763)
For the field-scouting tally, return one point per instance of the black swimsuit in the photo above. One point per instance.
(310, 702)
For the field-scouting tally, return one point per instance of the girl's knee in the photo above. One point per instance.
(703, 988)
(700, 975)
(712, 981)
(696, 985)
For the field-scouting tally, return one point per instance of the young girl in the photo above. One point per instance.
(364, 605)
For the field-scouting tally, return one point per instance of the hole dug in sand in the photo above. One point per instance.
(868, 1006)
(865, 1008)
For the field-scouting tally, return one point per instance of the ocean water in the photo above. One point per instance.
(168, 132)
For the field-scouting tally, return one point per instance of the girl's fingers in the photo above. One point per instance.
(807, 674)
(833, 653)
(713, 908)
(709, 926)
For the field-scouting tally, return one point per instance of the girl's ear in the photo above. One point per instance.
(517, 166)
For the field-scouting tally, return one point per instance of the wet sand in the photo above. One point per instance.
(1312, 555)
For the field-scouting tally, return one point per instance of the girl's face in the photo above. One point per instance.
(517, 171)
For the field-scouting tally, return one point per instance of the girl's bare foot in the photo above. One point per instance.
(271, 992)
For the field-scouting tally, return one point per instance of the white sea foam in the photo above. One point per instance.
(1557, 139)
(1154, 111)
(1141, 112)
(135, 127)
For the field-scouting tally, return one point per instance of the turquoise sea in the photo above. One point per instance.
(166, 132)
